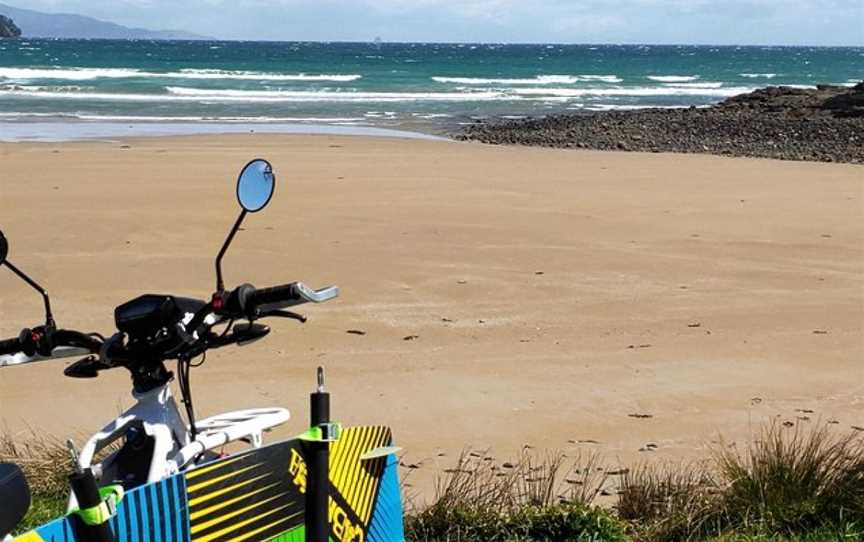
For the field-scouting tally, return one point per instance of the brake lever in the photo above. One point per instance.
(284, 314)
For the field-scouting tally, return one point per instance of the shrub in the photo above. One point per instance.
(788, 481)
(524, 501)
(669, 502)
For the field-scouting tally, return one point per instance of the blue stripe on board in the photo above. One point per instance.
(134, 530)
(127, 523)
(183, 509)
(53, 531)
(169, 489)
(114, 522)
(386, 524)
(175, 495)
(164, 511)
(152, 513)
(153, 516)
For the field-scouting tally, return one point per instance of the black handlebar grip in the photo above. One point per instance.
(274, 294)
(10, 346)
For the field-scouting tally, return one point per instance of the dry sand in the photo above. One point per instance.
(553, 294)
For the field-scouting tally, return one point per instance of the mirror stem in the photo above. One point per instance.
(220, 284)
(49, 318)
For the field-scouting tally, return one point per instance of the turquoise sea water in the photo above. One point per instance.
(383, 84)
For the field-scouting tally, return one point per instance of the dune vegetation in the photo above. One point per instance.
(785, 485)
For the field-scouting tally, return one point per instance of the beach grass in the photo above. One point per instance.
(538, 497)
(785, 485)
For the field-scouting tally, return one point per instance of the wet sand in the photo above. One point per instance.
(508, 296)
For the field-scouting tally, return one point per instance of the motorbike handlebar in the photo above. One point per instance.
(288, 295)
(284, 293)
(44, 342)
(248, 300)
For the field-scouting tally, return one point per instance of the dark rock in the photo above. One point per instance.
(822, 124)
(8, 28)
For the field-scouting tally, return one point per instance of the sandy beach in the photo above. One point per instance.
(509, 296)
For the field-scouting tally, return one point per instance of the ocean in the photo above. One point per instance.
(383, 84)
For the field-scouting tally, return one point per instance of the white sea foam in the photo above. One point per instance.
(632, 91)
(758, 75)
(694, 85)
(185, 94)
(179, 118)
(83, 74)
(673, 78)
(224, 74)
(539, 80)
(329, 96)
(612, 107)
(73, 74)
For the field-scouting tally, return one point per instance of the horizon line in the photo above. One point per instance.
(399, 42)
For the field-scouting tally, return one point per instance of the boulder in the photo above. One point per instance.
(8, 28)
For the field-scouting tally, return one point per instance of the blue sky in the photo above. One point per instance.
(790, 22)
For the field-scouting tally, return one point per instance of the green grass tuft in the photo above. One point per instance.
(785, 486)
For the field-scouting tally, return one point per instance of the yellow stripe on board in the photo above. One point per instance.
(342, 447)
(29, 536)
(368, 477)
(356, 469)
(366, 491)
(360, 473)
(197, 514)
(374, 474)
(347, 479)
(250, 534)
(201, 485)
(197, 528)
(369, 480)
(204, 470)
(224, 490)
(345, 483)
(239, 525)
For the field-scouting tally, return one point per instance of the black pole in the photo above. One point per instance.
(87, 494)
(49, 318)
(220, 284)
(318, 458)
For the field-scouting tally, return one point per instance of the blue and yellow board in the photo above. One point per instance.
(259, 495)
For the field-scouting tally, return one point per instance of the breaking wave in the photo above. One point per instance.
(539, 80)
(673, 78)
(84, 74)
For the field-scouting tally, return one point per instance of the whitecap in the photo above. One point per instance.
(633, 91)
(538, 80)
(707, 84)
(673, 78)
(82, 74)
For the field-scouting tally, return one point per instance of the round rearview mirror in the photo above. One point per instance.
(255, 185)
(4, 248)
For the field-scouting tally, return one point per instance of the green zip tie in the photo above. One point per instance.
(316, 434)
(104, 511)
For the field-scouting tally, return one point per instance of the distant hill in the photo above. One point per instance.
(8, 29)
(35, 24)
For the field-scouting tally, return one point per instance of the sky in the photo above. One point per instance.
(733, 22)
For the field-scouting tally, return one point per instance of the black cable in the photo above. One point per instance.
(183, 365)
(200, 363)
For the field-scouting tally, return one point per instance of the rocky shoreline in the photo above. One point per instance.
(825, 124)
